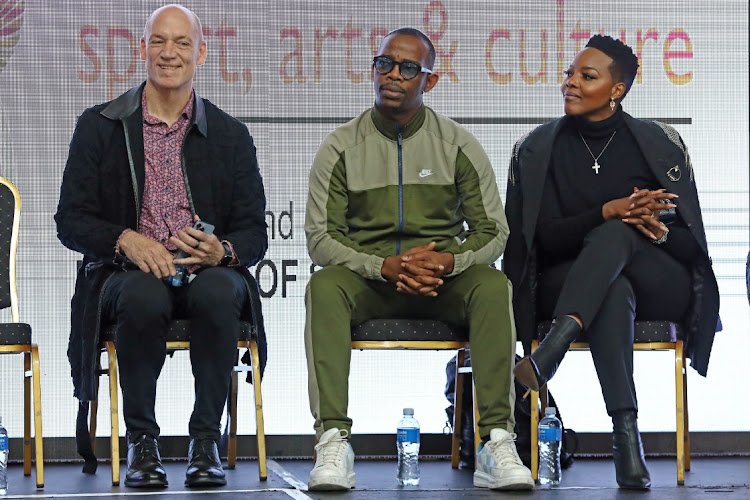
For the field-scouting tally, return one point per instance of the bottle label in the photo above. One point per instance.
(407, 435)
(3, 443)
(550, 433)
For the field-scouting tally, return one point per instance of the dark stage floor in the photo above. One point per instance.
(710, 478)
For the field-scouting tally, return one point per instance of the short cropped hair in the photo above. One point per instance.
(417, 34)
(624, 65)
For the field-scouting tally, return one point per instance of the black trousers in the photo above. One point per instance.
(141, 306)
(618, 277)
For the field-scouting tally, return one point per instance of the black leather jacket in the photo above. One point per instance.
(101, 196)
(669, 160)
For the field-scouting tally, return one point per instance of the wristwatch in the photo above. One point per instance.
(228, 256)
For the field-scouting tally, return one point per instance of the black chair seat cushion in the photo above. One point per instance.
(15, 333)
(179, 331)
(645, 331)
(408, 329)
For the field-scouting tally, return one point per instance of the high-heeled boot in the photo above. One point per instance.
(534, 371)
(627, 450)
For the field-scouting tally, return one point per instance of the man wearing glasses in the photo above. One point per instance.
(405, 218)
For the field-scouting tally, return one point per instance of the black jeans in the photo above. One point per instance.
(618, 277)
(141, 306)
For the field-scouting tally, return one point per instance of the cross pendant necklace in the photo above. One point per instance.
(595, 167)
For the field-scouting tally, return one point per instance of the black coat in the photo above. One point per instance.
(101, 196)
(668, 159)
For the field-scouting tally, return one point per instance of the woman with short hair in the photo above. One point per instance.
(606, 228)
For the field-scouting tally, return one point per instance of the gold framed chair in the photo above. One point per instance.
(423, 335)
(178, 338)
(649, 336)
(15, 337)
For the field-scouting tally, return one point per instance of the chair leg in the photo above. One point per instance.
(686, 413)
(38, 436)
(94, 408)
(259, 432)
(232, 444)
(534, 426)
(114, 437)
(27, 413)
(457, 409)
(680, 411)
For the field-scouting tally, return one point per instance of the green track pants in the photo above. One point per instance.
(479, 298)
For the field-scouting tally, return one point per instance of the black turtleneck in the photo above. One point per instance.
(574, 193)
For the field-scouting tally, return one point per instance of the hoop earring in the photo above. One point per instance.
(612, 104)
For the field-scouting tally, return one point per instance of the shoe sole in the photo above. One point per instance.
(520, 482)
(634, 486)
(205, 481)
(525, 373)
(332, 483)
(150, 483)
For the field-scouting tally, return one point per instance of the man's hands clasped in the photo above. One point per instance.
(152, 257)
(418, 271)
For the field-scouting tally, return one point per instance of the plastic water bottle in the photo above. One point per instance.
(550, 445)
(407, 440)
(3, 459)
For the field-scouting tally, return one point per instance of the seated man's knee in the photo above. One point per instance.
(145, 297)
(489, 281)
(215, 289)
(327, 279)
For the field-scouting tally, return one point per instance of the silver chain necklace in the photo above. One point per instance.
(595, 167)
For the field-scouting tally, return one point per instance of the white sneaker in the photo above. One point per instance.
(498, 464)
(334, 467)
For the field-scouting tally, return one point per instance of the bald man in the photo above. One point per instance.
(144, 173)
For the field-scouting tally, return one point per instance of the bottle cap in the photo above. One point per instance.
(409, 411)
(551, 410)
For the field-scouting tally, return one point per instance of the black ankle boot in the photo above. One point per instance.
(630, 465)
(534, 371)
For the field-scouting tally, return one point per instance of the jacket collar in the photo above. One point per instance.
(128, 103)
(536, 159)
(390, 128)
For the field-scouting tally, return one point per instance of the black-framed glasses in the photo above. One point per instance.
(407, 69)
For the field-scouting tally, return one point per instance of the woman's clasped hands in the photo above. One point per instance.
(642, 209)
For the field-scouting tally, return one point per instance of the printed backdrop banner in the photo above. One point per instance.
(293, 71)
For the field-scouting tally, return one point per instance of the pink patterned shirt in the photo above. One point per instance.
(165, 208)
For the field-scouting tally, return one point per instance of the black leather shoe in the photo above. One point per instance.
(204, 468)
(627, 450)
(145, 469)
(534, 371)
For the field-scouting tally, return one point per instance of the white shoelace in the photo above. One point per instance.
(333, 450)
(504, 450)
